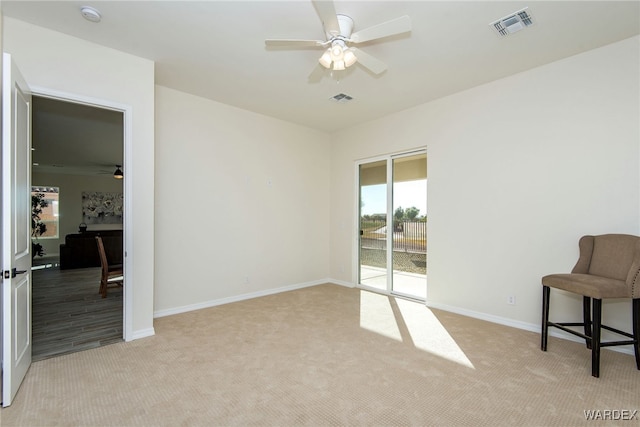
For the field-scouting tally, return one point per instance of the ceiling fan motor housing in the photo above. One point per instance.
(346, 27)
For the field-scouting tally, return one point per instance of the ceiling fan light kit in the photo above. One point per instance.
(349, 58)
(118, 173)
(338, 54)
(325, 60)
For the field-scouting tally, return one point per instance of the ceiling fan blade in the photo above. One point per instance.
(385, 29)
(293, 43)
(373, 64)
(327, 13)
(316, 74)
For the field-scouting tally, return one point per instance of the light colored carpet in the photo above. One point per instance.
(325, 355)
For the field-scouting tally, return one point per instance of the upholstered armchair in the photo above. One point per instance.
(608, 267)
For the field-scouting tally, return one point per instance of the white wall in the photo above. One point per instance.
(61, 63)
(70, 205)
(238, 195)
(519, 169)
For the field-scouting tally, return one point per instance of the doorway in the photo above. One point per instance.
(76, 149)
(392, 218)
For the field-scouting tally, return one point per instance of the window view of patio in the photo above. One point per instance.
(47, 202)
(406, 235)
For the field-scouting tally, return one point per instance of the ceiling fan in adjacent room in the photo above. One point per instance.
(117, 174)
(339, 50)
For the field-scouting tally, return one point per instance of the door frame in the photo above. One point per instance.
(389, 244)
(127, 115)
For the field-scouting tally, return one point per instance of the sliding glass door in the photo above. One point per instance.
(393, 224)
(373, 225)
(409, 240)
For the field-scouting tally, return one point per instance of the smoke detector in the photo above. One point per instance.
(512, 23)
(90, 14)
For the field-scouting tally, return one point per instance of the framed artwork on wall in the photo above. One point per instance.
(102, 208)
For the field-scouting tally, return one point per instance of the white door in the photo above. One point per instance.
(16, 230)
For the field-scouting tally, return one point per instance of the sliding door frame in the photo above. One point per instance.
(389, 158)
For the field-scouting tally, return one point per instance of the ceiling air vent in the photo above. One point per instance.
(512, 23)
(341, 98)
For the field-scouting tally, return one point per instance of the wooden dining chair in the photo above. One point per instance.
(111, 274)
(608, 267)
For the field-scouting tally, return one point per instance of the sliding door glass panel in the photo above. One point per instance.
(373, 225)
(409, 242)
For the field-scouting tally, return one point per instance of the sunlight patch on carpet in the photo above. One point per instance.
(411, 323)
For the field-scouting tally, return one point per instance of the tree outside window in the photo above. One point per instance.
(48, 214)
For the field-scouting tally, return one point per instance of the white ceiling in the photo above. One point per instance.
(75, 139)
(216, 49)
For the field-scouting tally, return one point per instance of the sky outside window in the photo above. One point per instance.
(406, 194)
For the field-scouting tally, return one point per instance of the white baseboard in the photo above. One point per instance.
(142, 333)
(484, 316)
(236, 298)
(531, 327)
(341, 283)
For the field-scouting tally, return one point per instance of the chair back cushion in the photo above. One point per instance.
(613, 255)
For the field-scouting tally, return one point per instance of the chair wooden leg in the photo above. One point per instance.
(636, 330)
(595, 341)
(103, 288)
(545, 317)
(586, 308)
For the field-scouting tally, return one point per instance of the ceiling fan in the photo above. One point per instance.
(117, 174)
(339, 52)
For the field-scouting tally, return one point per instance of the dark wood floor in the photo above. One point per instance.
(68, 313)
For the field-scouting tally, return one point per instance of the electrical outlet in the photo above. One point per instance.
(511, 300)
